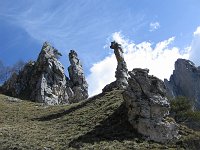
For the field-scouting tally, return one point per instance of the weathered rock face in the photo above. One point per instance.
(44, 80)
(121, 72)
(52, 82)
(77, 78)
(148, 106)
(185, 81)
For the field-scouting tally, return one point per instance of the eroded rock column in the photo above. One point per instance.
(121, 73)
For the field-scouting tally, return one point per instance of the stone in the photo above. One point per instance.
(121, 73)
(148, 107)
(45, 81)
(185, 81)
(12, 99)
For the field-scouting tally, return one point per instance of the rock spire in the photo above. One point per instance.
(45, 80)
(77, 77)
(121, 73)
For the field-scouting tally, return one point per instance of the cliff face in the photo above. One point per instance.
(185, 81)
(45, 81)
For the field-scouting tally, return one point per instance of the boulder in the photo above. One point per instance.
(148, 107)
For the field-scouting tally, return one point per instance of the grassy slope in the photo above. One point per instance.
(98, 123)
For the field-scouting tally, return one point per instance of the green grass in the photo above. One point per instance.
(97, 123)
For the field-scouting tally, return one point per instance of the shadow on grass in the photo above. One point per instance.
(115, 127)
(68, 111)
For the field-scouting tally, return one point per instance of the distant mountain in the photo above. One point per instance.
(185, 81)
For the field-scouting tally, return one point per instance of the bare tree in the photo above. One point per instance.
(7, 71)
(17, 67)
(3, 74)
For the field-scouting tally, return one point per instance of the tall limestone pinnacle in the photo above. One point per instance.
(121, 72)
(77, 77)
(51, 85)
(45, 81)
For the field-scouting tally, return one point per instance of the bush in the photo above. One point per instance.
(182, 110)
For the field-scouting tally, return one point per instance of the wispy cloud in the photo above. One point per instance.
(66, 24)
(197, 32)
(55, 21)
(154, 26)
(160, 60)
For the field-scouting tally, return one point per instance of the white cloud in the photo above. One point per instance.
(154, 26)
(197, 32)
(160, 60)
(195, 47)
(102, 73)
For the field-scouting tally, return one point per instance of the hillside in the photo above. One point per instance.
(97, 123)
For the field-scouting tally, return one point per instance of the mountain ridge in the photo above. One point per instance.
(185, 81)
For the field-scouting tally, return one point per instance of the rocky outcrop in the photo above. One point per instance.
(121, 73)
(145, 98)
(148, 106)
(77, 79)
(185, 81)
(45, 80)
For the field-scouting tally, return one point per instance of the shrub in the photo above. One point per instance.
(182, 110)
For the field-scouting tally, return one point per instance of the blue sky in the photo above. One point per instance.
(89, 25)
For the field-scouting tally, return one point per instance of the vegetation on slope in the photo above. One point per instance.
(97, 123)
(182, 111)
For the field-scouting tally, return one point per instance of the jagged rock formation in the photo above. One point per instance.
(145, 98)
(77, 79)
(45, 81)
(148, 106)
(121, 72)
(185, 81)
